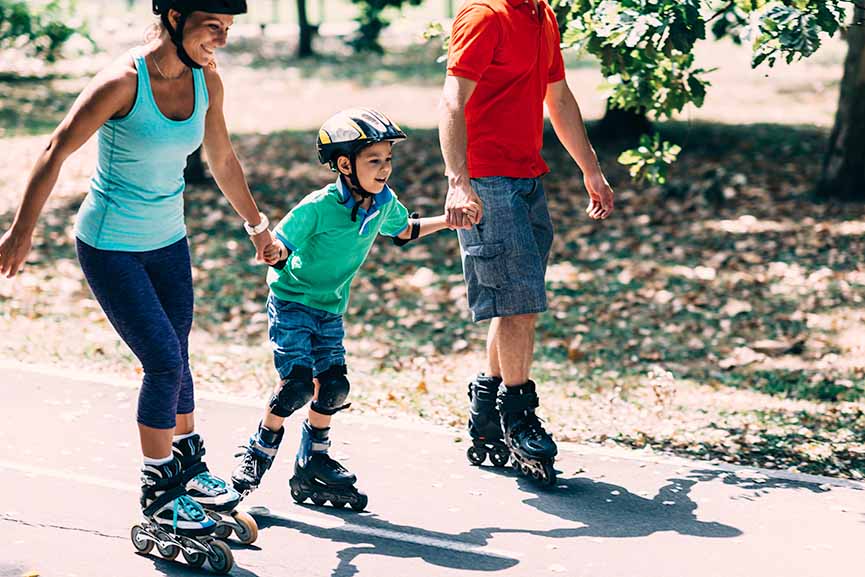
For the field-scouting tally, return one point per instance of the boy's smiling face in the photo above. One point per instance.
(373, 166)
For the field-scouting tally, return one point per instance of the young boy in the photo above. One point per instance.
(320, 246)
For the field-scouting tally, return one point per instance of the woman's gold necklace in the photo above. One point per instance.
(162, 74)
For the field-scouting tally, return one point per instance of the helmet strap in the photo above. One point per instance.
(176, 35)
(357, 187)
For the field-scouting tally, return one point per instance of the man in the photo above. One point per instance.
(504, 63)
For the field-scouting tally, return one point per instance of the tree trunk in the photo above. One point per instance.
(627, 124)
(194, 171)
(307, 31)
(843, 174)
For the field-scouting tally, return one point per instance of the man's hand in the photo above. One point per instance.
(463, 207)
(261, 241)
(14, 249)
(600, 195)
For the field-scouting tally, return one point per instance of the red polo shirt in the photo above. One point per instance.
(511, 49)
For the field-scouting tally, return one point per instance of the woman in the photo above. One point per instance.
(151, 108)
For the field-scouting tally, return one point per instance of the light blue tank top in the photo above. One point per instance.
(136, 196)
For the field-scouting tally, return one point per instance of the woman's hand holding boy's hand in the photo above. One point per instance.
(262, 241)
(275, 252)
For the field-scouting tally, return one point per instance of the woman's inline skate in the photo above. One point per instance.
(212, 493)
(175, 523)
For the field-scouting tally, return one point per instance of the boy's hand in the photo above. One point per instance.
(261, 241)
(275, 252)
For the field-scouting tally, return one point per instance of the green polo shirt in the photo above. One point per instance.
(328, 248)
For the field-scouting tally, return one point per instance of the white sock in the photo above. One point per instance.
(181, 437)
(149, 461)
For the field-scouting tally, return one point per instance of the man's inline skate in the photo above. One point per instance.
(255, 459)
(533, 451)
(485, 426)
(176, 523)
(320, 478)
(212, 493)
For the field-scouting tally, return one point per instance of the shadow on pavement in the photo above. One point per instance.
(371, 544)
(608, 510)
(178, 568)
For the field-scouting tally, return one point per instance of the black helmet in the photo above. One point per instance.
(213, 6)
(347, 132)
(187, 7)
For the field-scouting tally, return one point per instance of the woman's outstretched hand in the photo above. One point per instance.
(14, 248)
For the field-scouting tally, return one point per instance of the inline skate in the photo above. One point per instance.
(212, 493)
(255, 459)
(533, 450)
(485, 427)
(176, 523)
(320, 478)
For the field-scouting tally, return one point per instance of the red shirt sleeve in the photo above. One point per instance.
(474, 38)
(557, 69)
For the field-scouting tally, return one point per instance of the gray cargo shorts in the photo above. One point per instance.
(505, 255)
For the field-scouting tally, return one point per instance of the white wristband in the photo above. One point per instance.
(259, 228)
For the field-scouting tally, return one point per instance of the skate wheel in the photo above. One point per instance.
(476, 455)
(318, 501)
(140, 540)
(169, 552)
(298, 496)
(338, 503)
(247, 528)
(360, 502)
(499, 457)
(194, 559)
(222, 531)
(220, 557)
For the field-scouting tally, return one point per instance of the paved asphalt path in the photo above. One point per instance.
(69, 471)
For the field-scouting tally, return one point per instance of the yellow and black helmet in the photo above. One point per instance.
(347, 132)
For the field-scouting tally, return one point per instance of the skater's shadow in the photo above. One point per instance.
(607, 510)
(178, 568)
(371, 535)
(756, 482)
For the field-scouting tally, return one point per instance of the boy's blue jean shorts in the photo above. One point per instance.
(505, 255)
(304, 336)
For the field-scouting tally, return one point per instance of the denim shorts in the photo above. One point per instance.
(303, 336)
(505, 255)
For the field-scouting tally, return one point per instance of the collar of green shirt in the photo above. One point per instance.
(378, 201)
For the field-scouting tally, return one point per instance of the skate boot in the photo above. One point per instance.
(175, 522)
(485, 426)
(320, 478)
(212, 493)
(532, 449)
(256, 459)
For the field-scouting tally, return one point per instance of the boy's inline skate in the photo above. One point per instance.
(212, 493)
(532, 449)
(319, 477)
(256, 459)
(485, 426)
(176, 523)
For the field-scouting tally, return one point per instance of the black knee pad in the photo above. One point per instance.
(295, 391)
(333, 389)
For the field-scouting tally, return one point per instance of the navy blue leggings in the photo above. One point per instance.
(147, 296)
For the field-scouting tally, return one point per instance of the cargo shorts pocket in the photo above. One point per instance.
(488, 264)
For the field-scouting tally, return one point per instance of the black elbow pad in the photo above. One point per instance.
(414, 223)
